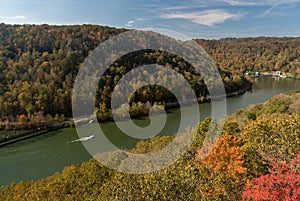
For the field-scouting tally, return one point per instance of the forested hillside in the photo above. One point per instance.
(255, 54)
(256, 158)
(39, 63)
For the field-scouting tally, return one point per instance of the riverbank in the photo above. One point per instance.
(170, 106)
(46, 154)
(269, 74)
(16, 135)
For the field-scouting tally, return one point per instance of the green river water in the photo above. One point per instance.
(44, 155)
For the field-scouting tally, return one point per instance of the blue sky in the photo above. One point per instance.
(193, 18)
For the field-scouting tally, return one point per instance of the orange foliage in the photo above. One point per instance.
(225, 157)
(22, 120)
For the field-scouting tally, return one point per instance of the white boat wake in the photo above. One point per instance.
(83, 139)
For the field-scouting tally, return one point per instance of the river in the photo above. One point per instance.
(44, 155)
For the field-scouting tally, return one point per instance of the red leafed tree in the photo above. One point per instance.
(283, 183)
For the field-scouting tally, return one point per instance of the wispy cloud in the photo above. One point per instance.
(280, 2)
(258, 2)
(241, 3)
(268, 11)
(208, 17)
(130, 23)
(279, 9)
(141, 19)
(18, 17)
(272, 4)
(174, 8)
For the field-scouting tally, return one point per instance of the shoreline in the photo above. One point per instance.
(27, 134)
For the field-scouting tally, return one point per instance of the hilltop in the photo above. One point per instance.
(39, 64)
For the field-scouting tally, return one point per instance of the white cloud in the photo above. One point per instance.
(130, 23)
(259, 2)
(18, 17)
(207, 18)
(241, 3)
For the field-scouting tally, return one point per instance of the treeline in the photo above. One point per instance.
(39, 63)
(256, 158)
(255, 54)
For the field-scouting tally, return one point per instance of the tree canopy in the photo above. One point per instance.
(236, 169)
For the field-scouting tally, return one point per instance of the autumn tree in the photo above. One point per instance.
(225, 157)
(22, 120)
(283, 183)
(274, 137)
(222, 169)
(39, 64)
